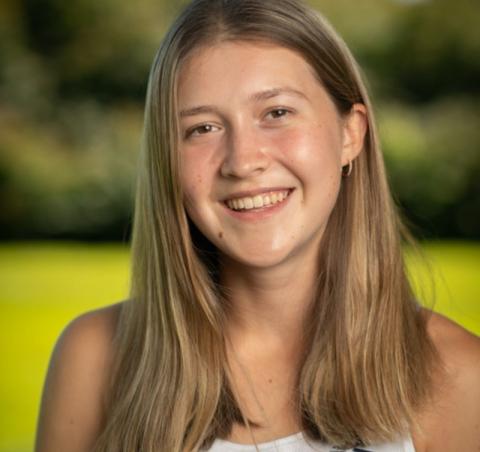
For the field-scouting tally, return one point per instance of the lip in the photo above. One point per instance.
(252, 193)
(262, 213)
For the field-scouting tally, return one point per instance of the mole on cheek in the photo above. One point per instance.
(220, 235)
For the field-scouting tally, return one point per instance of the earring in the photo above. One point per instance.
(347, 169)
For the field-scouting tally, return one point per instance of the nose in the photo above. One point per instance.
(246, 154)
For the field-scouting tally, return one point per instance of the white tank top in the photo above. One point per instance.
(298, 443)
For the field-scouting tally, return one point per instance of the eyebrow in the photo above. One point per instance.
(256, 97)
(269, 93)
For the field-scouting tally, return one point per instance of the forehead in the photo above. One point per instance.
(242, 67)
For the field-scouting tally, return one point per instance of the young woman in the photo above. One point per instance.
(270, 309)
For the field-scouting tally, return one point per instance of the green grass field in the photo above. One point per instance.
(44, 286)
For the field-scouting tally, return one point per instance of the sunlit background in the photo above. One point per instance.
(72, 84)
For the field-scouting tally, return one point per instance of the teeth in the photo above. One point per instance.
(258, 201)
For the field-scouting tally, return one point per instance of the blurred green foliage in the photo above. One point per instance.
(73, 77)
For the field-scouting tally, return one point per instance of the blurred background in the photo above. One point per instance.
(72, 84)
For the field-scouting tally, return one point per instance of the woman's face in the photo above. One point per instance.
(261, 150)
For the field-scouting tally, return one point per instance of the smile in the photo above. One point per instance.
(257, 201)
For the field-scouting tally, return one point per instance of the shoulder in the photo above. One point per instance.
(72, 403)
(453, 421)
(459, 352)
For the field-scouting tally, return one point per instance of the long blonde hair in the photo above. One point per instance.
(368, 363)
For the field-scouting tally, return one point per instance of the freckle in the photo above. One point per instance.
(269, 380)
(220, 235)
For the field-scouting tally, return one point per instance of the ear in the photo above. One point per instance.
(354, 130)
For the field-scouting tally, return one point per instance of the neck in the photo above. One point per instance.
(269, 305)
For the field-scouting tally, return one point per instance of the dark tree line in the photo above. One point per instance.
(72, 83)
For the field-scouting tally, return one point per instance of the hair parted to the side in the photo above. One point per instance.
(368, 363)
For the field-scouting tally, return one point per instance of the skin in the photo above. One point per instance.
(254, 138)
(248, 143)
(254, 116)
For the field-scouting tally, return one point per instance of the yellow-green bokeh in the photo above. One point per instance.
(44, 286)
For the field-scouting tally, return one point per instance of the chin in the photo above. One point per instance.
(258, 258)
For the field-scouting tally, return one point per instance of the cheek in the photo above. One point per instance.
(312, 149)
(196, 176)
(192, 183)
(192, 175)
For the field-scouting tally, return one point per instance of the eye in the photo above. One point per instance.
(278, 113)
(201, 129)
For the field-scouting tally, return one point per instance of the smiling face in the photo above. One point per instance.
(261, 150)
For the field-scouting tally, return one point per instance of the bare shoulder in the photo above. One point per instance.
(459, 351)
(72, 403)
(453, 422)
(448, 335)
